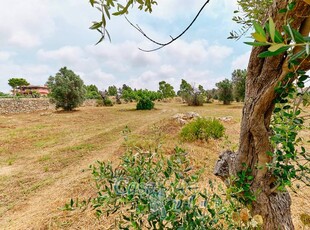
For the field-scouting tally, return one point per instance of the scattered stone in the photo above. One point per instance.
(191, 115)
(183, 118)
(226, 119)
(46, 114)
(177, 116)
(181, 121)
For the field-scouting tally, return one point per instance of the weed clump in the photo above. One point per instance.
(202, 129)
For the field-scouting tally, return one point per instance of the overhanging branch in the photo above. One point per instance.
(162, 45)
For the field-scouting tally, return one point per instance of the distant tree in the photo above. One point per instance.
(185, 90)
(17, 82)
(196, 96)
(166, 90)
(112, 90)
(3, 94)
(106, 101)
(209, 96)
(67, 89)
(126, 87)
(127, 93)
(201, 89)
(225, 91)
(238, 81)
(92, 92)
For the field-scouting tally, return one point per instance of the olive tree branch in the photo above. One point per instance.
(162, 45)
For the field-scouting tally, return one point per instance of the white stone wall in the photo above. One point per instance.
(27, 105)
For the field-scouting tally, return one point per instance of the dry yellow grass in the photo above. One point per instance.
(44, 157)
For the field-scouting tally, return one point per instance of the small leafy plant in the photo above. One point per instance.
(145, 103)
(202, 129)
(149, 191)
(240, 187)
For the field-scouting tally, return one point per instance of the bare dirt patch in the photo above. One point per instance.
(44, 159)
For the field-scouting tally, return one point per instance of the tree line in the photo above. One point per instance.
(68, 91)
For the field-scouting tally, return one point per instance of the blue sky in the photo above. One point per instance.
(38, 37)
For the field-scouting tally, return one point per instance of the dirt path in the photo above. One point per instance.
(40, 209)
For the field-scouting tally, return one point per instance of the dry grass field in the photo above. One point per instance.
(44, 157)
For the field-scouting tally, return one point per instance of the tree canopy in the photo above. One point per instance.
(16, 82)
(67, 90)
(238, 81)
(166, 90)
(225, 91)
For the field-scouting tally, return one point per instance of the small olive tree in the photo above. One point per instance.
(225, 91)
(67, 90)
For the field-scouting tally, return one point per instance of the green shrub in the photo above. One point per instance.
(67, 90)
(202, 129)
(145, 103)
(104, 102)
(107, 102)
(150, 191)
(195, 99)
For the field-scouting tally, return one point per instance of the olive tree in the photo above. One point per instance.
(225, 91)
(166, 90)
(67, 90)
(238, 80)
(278, 58)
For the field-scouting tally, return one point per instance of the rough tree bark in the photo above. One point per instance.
(263, 75)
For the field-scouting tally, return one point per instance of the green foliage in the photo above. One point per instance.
(4, 95)
(150, 191)
(306, 98)
(127, 93)
(249, 11)
(107, 102)
(166, 90)
(67, 89)
(241, 187)
(202, 129)
(238, 82)
(92, 92)
(225, 91)
(290, 161)
(144, 93)
(16, 82)
(192, 96)
(211, 94)
(195, 99)
(145, 103)
(185, 90)
(112, 90)
(105, 7)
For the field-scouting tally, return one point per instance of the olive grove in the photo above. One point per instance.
(265, 163)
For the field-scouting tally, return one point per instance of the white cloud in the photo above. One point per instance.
(40, 36)
(198, 52)
(25, 23)
(99, 78)
(5, 56)
(241, 62)
(68, 54)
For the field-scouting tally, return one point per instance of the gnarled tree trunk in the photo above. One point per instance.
(263, 75)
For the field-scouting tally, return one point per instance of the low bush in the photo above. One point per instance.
(145, 103)
(150, 191)
(105, 102)
(196, 99)
(202, 129)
